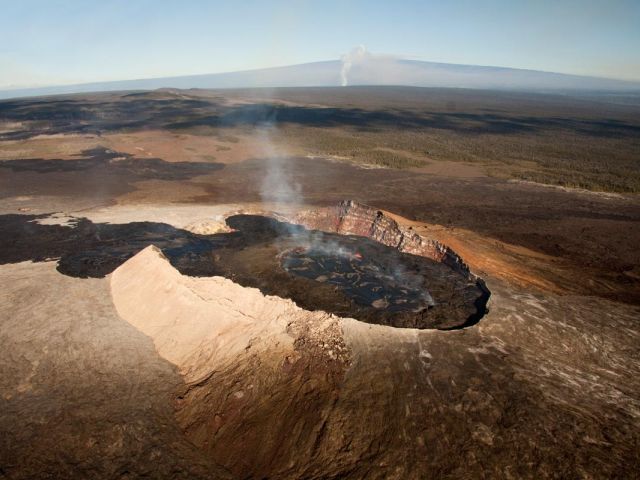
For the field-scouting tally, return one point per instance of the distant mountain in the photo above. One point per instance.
(367, 71)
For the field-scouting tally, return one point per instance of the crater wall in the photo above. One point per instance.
(352, 218)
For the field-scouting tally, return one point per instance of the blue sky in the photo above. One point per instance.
(44, 42)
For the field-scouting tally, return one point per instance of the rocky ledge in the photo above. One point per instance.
(352, 218)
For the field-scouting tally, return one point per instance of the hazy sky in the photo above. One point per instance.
(44, 42)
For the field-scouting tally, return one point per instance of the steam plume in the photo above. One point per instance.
(356, 54)
(277, 185)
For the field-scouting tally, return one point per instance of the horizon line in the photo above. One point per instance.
(9, 88)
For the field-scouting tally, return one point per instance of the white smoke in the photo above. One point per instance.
(277, 185)
(356, 55)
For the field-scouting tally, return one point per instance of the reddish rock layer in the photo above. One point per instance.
(352, 218)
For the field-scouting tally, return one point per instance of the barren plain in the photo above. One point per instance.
(186, 285)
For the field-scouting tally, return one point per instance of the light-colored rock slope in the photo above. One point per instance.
(198, 323)
(260, 372)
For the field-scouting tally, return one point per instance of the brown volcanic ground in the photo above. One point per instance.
(151, 372)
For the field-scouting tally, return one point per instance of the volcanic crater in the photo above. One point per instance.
(350, 260)
(393, 275)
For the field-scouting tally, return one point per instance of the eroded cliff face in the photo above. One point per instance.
(353, 218)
